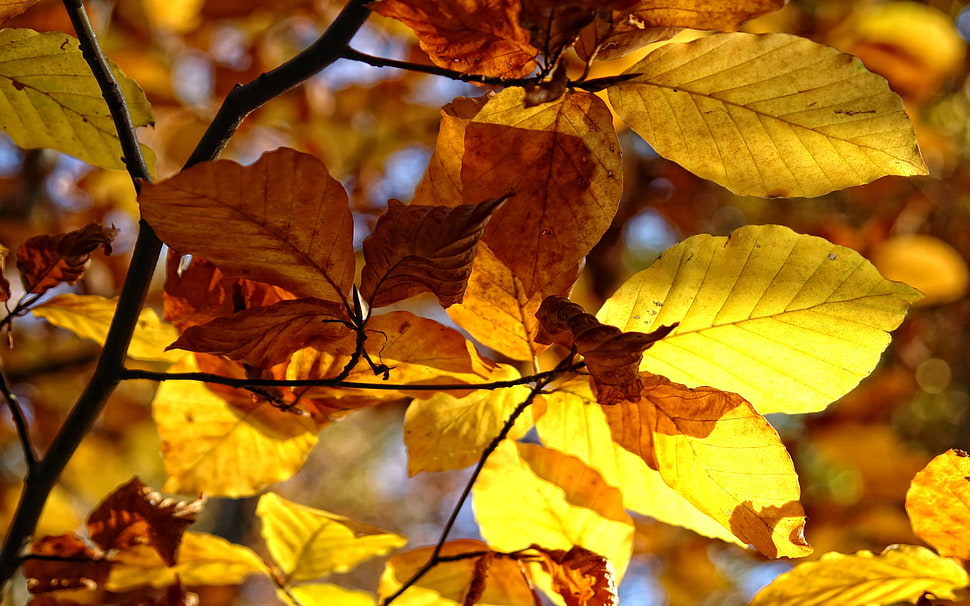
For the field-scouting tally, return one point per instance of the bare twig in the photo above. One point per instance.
(19, 421)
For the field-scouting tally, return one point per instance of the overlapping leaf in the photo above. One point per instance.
(283, 220)
(581, 577)
(11, 8)
(768, 115)
(903, 573)
(72, 564)
(415, 249)
(49, 98)
(938, 504)
(324, 593)
(722, 15)
(46, 261)
(789, 322)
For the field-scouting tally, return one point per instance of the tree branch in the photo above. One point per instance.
(19, 421)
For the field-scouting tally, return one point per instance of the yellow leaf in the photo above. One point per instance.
(202, 559)
(528, 494)
(768, 115)
(445, 432)
(49, 98)
(572, 423)
(212, 447)
(925, 263)
(89, 316)
(308, 543)
(789, 322)
(938, 504)
(899, 574)
(324, 594)
(174, 15)
(702, 14)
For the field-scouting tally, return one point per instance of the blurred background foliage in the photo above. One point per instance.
(375, 128)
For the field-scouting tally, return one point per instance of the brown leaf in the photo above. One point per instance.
(555, 24)
(476, 589)
(135, 514)
(46, 261)
(720, 15)
(611, 355)
(11, 8)
(580, 576)
(418, 249)
(4, 284)
(80, 568)
(938, 504)
(482, 37)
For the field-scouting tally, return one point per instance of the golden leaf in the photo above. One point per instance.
(314, 594)
(938, 504)
(721, 15)
(928, 264)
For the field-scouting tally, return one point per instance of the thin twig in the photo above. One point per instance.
(20, 422)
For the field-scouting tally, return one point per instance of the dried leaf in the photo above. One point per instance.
(938, 504)
(46, 261)
(11, 8)
(580, 576)
(720, 15)
(82, 568)
(555, 24)
(415, 249)
(4, 283)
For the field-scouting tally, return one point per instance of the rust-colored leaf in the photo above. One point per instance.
(580, 576)
(418, 249)
(555, 24)
(11, 8)
(81, 568)
(611, 355)
(938, 504)
(482, 37)
(46, 261)
(135, 514)
(4, 283)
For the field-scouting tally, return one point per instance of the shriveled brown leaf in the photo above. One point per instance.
(938, 504)
(418, 249)
(81, 568)
(482, 37)
(46, 261)
(580, 576)
(4, 283)
(555, 24)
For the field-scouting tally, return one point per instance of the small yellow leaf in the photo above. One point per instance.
(324, 594)
(89, 316)
(308, 543)
(899, 574)
(926, 263)
(938, 504)
(768, 115)
(789, 322)
(49, 98)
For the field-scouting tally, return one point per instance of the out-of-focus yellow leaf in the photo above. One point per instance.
(202, 559)
(89, 316)
(445, 432)
(938, 504)
(768, 115)
(528, 494)
(574, 424)
(789, 322)
(49, 98)
(925, 263)
(174, 15)
(209, 446)
(899, 574)
(308, 543)
(324, 594)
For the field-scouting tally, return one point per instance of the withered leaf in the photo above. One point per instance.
(720, 15)
(4, 283)
(46, 261)
(555, 24)
(611, 355)
(81, 567)
(580, 576)
(416, 249)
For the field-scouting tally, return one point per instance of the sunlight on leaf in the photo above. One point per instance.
(789, 322)
(723, 15)
(308, 543)
(899, 574)
(768, 115)
(49, 98)
(938, 504)
(323, 594)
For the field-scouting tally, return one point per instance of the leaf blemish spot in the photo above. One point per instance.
(831, 256)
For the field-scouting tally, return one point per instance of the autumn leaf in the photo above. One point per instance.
(789, 322)
(283, 220)
(11, 8)
(4, 283)
(49, 98)
(902, 573)
(938, 504)
(46, 261)
(720, 15)
(324, 593)
(476, 38)
(555, 24)
(308, 543)
(581, 577)
(416, 249)
(80, 567)
(611, 355)
(768, 115)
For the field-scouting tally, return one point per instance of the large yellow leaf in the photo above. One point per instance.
(212, 447)
(789, 322)
(308, 543)
(573, 423)
(89, 316)
(938, 504)
(527, 495)
(283, 220)
(324, 594)
(768, 115)
(49, 98)
(899, 574)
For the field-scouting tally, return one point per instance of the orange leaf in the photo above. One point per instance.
(283, 220)
(611, 355)
(135, 514)
(580, 576)
(721, 15)
(938, 504)
(11, 8)
(46, 261)
(482, 37)
(555, 24)
(81, 568)
(418, 249)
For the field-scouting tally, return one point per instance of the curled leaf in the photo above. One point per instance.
(46, 261)
(79, 566)
(580, 576)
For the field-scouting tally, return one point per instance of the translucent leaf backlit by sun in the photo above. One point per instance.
(49, 98)
(789, 322)
(723, 15)
(283, 220)
(903, 573)
(768, 115)
(938, 504)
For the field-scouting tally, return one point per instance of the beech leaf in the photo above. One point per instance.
(789, 322)
(4, 283)
(283, 220)
(46, 261)
(580, 576)
(324, 593)
(768, 115)
(80, 568)
(722, 15)
(938, 504)
(416, 249)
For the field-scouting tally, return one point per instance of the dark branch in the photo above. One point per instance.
(20, 422)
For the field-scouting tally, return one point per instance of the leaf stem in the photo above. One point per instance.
(19, 421)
